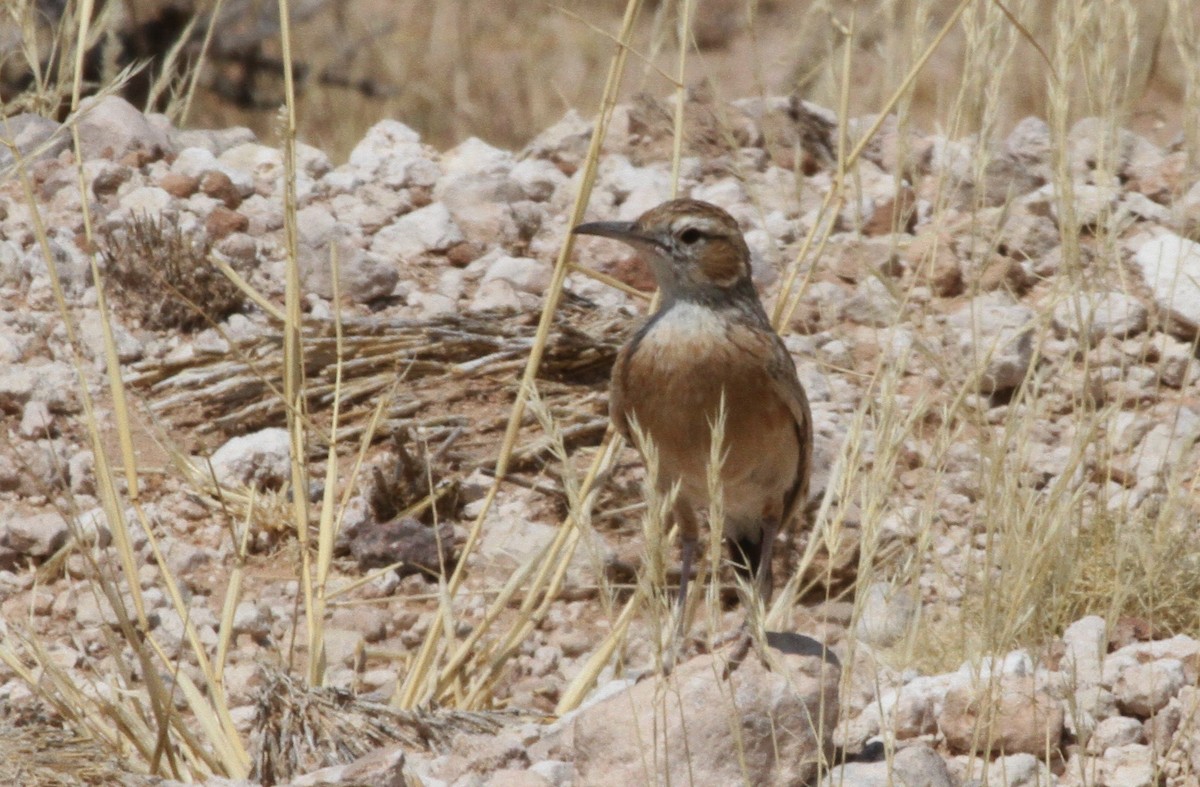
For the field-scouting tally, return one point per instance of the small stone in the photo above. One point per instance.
(27, 132)
(418, 548)
(1096, 315)
(1114, 731)
(178, 185)
(223, 221)
(33, 535)
(1144, 689)
(36, 420)
(342, 646)
(680, 726)
(218, 185)
(932, 256)
(259, 459)
(428, 229)
(150, 200)
(912, 766)
(496, 295)
(523, 273)
(1170, 266)
(1132, 765)
(995, 336)
(887, 615)
(1010, 715)
(111, 127)
(250, 618)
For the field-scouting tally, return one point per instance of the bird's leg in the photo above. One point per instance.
(764, 576)
(762, 579)
(689, 533)
(687, 553)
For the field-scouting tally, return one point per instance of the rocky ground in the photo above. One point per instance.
(973, 279)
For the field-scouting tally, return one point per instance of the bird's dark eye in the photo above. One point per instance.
(690, 236)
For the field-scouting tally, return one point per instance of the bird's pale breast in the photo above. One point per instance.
(672, 383)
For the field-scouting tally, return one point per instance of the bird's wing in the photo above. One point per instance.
(786, 384)
(616, 390)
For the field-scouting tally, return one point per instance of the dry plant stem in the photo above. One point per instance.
(326, 527)
(789, 296)
(684, 40)
(293, 356)
(408, 694)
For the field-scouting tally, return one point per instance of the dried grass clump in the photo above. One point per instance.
(300, 729)
(37, 753)
(165, 277)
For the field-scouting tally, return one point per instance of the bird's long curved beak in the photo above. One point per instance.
(620, 230)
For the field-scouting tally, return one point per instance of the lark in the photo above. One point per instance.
(709, 342)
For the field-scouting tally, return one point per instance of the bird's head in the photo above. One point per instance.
(693, 247)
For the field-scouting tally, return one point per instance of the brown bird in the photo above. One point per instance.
(709, 339)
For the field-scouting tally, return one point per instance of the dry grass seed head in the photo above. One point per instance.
(165, 276)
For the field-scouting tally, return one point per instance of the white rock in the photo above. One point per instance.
(250, 618)
(995, 335)
(481, 205)
(523, 273)
(31, 534)
(91, 332)
(634, 189)
(91, 528)
(183, 557)
(887, 614)
(259, 459)
(1131, 765)
(431, 304)
(36, 420)
(537, 178)
(565, 143)
(81, 469)
(557, 772)
(1170, 266)
(425, 230)
(149, 200)
(1144, 689)
(1096, 315)
(27, 132)
(391, 154)
(473, 156)
(1166, 446)
(1114, 731)
(1015, 770)
(872, 304)
(111, 124)
(497, 294)
(768, 728)
(1177, 365)
(341, 645)
(194, 162)
(912, 766)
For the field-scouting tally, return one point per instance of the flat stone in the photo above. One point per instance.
(677, 730)
(112, 126)
(258, 459)
(1170, 266)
